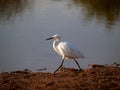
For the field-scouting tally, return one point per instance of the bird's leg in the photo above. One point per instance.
(59, 67)
(78, 64)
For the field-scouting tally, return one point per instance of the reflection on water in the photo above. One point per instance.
(102, 10)
(105, 11)
(11, 8)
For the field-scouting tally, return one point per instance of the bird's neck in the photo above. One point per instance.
(55, 44)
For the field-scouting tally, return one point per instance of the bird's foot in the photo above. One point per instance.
(53, 73)
(80, 70)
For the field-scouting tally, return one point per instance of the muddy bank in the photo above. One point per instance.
(97, 77)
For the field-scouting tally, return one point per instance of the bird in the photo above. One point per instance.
(65, 49)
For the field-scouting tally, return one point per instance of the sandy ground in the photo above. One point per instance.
(97, 77)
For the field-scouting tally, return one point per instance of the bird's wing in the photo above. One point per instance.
(69, 50)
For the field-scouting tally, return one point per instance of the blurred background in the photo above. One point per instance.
(93, 25)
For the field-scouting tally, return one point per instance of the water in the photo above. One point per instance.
(93, 25)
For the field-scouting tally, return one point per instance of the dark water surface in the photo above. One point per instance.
(93, 25)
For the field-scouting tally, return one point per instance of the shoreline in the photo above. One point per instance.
(97, 77)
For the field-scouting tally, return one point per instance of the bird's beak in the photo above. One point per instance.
(49, 38)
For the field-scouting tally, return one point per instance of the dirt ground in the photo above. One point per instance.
(97, 77)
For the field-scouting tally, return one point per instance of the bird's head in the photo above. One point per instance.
(54, 37)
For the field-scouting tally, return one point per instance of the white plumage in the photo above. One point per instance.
(66, 50)
(69, 51)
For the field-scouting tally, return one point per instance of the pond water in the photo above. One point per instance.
(92, 25)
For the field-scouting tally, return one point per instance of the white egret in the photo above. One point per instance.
(66, 50)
